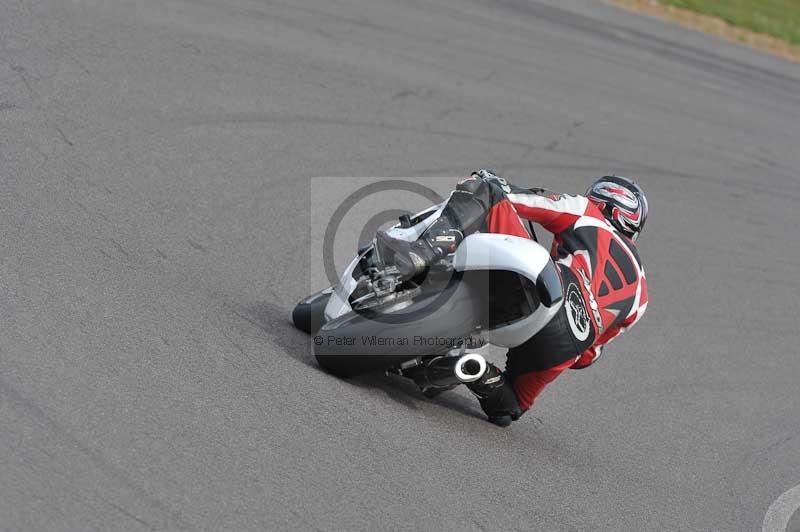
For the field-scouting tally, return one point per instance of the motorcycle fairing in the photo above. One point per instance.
(478, 251)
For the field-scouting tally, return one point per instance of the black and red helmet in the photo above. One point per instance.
(622, 202)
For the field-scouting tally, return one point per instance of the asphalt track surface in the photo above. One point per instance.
(155, 181)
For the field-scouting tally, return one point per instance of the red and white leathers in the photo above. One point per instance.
(605, 288)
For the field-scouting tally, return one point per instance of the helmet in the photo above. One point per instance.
(622, 202)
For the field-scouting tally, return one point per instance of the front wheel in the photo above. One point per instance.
(309, 314)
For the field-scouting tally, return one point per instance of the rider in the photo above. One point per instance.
(604, 285)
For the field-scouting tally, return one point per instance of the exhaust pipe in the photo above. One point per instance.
(441, 372)
(470, 367)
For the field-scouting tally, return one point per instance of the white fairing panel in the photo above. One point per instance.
(490, 251)
(337, 304)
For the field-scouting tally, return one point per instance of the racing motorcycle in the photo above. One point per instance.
(494, 288)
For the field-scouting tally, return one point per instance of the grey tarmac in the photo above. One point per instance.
(156, 169)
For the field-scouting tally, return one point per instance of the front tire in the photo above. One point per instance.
(309, 314)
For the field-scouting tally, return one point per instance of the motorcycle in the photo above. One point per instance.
(495, 288)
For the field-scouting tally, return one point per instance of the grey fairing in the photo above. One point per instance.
(357, 343)
(491, 251)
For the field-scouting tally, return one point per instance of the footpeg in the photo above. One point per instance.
(445, 372)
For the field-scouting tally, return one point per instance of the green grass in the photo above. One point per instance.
(779, 18)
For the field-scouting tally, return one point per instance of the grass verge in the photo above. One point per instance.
(769, 25)
(779, 18)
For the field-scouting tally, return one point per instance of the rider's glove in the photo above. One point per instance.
(490, 177)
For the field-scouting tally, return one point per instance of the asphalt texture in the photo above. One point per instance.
(156, 192)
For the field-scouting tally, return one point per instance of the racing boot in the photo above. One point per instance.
(414, 258)
(496, 397)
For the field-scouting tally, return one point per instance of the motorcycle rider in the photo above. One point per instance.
(604, 284)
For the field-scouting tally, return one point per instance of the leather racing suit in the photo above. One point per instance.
(604, 284)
